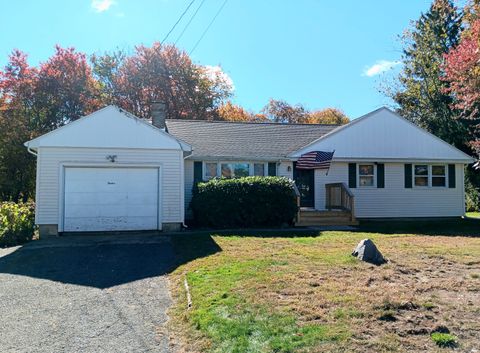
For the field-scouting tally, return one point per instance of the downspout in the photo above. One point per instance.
(183, 176)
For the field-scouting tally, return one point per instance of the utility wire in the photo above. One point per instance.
(190, 21)
(208, 27)
(176, 23)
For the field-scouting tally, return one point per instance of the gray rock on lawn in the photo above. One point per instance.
(368, 252)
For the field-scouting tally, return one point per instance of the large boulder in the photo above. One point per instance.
(368, 252)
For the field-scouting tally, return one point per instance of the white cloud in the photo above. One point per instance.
(102, 5)
(215, 73)
(379, 67)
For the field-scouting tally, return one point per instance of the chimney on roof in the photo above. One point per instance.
(159, 114)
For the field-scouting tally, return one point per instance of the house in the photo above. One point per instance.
(111, 171)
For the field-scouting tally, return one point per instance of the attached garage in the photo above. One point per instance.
(109, 171)
(110, 199)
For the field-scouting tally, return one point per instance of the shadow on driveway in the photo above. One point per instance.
(89, 262)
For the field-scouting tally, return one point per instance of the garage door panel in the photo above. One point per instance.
(143, 198)
(81, 211)
(111, 198)
(106, 199)
(145, 211)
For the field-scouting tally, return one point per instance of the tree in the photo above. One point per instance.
(327, 116)
(462, 72)
(17, 168)
(280, 111)
(420, 93)
(34, 101)
(161, 73)
(65, 89)
(232, 112)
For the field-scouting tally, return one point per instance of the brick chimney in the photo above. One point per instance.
(159, 114)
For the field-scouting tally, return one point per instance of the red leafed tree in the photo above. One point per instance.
(34, 101)
(17, 168)
(462, 70)
(65, 89)
(161, 73)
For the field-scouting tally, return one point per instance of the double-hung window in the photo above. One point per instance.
(421, 175)
(259, 169)
(439, 176)
(235, 170)
(425, 175)
(211, 170)
(366, 175)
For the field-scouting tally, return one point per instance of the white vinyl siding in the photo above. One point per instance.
(51, 159)
(285, 169)
(395, 200)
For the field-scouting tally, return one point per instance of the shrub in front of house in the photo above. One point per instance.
(17, 223)
(244, 202)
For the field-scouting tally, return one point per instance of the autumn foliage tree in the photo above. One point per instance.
(280, 111)
(462, 72)
(161, 73)
(233, 112)
(34, 101)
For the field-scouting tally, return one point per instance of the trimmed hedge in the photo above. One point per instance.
(17, 223)
(244, 202)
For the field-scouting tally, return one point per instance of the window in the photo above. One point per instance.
(421, 175)
(235, 170)
(366, 174)
(258, 169)
(439, 177)
(430, 175)
(210, 170)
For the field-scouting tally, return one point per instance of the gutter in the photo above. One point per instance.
(31, 151)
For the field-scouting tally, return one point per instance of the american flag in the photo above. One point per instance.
(315, 160)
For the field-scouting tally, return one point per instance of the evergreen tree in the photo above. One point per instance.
(421, 92)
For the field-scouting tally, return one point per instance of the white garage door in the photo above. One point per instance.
(106, 199)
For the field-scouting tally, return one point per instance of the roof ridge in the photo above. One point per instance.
(250, 122)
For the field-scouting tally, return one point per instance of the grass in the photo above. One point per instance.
(301, 291)
(444, 339)
(473, 214)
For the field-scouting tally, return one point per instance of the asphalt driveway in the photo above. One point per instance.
(90, 294)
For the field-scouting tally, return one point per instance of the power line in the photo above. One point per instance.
(190, 21)
(176, 23)
(208, 27)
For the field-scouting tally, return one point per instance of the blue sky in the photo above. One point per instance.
(316, 52)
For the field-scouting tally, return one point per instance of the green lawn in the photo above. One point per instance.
(303, 292)
(473, 214)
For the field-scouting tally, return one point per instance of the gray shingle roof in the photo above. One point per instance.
(231, 140)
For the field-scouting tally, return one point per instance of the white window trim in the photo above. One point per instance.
(219, 167)
(374, 176)
(430, 175)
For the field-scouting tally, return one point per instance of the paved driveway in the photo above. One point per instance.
(103, 294)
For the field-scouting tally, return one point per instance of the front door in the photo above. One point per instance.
(305, 181)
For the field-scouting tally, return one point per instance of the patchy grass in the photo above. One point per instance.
(301, 291)
(444, 339)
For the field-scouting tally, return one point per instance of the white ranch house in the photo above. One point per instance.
(110, 171)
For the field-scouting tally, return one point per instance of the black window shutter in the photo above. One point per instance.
(408, 176)
(451, 176)
(380, 175)
(352, 175)
(272, 169)
(197, 172)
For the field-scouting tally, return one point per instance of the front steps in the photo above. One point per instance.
(311, 217)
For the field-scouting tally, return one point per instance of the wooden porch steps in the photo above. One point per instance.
(310, 217)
